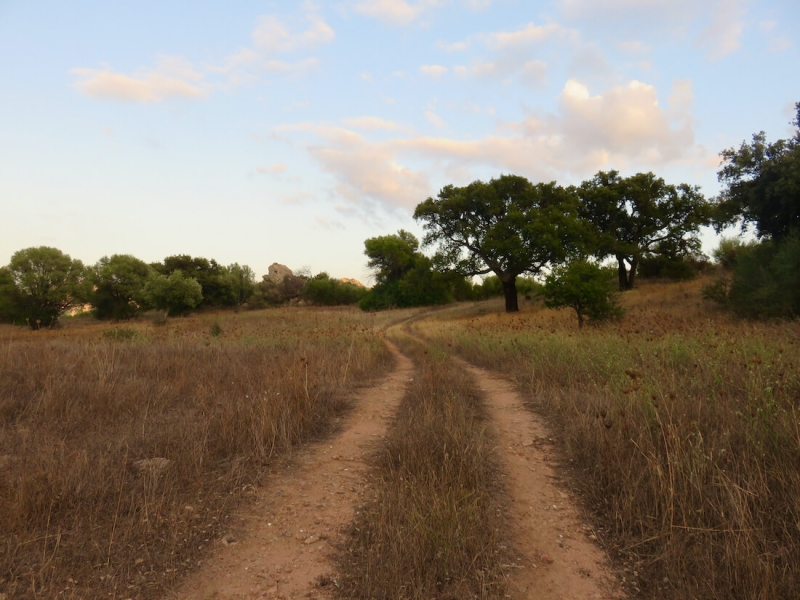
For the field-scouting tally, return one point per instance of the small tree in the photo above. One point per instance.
(175, 294)
(119, 283)
(49, 282)
(586, 288)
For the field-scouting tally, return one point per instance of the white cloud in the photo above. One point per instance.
(433, 71)
(534, 72)
(395, 12)
(173, 77)
(723, 35)
(434, 119)
(272, 36)
(623, 127)
(367, 173)
(528, 34)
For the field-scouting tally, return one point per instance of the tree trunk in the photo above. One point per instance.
(632, 274)
(510, 291)
(623, 273)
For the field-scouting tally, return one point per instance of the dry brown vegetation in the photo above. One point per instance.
(217, 396)
(683, 427)
(435, 525)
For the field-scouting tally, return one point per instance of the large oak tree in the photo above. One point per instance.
(762, 184)
(507, 226)
(639, 215)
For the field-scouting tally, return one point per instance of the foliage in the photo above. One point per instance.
(325, 291)
(11, 301)
(405, 277)
(119, 283)
(48, 282)
(678, 268)
(392, 256)
(269, 292)
(680, 426)
(491, 286)
(728, 249)
(641, 215)
(584, 287)
(175, 294)
(762, 184)
(507, 226)
(221, 285)
(765, 281)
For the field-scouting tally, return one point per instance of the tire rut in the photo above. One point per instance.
(559, 560)
(281, 546)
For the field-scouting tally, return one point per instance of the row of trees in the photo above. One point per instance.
(510, 227)
(39, 284)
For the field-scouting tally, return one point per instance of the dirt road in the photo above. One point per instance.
(280, 548)
(281, 545)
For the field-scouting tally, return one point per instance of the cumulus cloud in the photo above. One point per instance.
(272, 36)
(172, 77)
(395, 12)
(176, 77)
(368, 173)
(433, 71)
(622, 127)
(526, 35)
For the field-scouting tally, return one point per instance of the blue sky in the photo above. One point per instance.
(256, 132)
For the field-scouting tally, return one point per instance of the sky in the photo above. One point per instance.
(290, 132)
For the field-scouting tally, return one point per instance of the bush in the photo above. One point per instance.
(175, 294)
(765, 282)
(325, 291)
(586, 288)
(679, 269)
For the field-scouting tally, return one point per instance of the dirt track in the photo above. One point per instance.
(281, 545)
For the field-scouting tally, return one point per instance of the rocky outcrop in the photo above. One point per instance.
(277, 272)
(352, 281)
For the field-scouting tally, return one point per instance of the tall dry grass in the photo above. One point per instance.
(683, 428)
(434, 528)
(80, 514)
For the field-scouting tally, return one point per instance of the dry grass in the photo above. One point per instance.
(683, 427)
(434, 528)
(80, 515)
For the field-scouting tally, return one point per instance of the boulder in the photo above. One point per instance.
(277, 272)
(352, 281)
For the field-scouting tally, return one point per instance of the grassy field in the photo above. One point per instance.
(435, 526)
(680, 425)
(123, 449)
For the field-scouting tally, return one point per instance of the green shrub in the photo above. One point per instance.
(325, 291)
(586, 288)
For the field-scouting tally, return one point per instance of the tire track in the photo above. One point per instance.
(280, 547)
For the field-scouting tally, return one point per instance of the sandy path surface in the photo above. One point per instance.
(559, 559)
(281, 545)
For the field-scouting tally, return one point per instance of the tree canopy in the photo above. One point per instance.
(175, 294)
(48, 282)
(639, 215)
(119, 283)
(507, 226)
(404, 276)
(762, 184)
